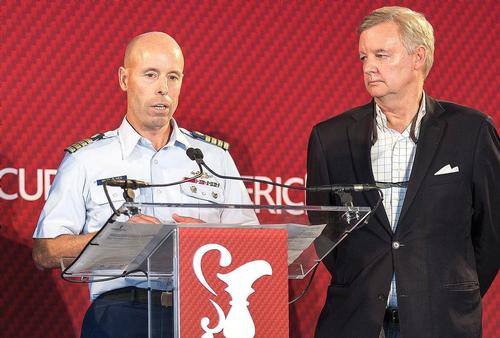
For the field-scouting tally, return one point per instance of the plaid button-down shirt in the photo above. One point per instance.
(392, 157)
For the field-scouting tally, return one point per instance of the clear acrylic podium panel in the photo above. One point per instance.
(121, 248)
(147, 253)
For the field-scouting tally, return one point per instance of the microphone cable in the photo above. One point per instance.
(197, 155)
(126, 185)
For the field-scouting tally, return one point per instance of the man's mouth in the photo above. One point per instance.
(160, 106)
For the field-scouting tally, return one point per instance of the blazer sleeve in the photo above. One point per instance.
(486, 204)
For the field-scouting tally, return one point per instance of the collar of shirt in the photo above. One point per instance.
(381, 120)
(130, 138)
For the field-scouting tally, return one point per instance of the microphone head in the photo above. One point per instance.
(191, 153)
(198, 154)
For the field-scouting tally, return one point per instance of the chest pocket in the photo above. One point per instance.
(203, 194)
(98, 196)
(97, 205)
(98, 202)
(451, 178)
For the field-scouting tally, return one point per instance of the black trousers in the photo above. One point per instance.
(123, 313)
(390, 329)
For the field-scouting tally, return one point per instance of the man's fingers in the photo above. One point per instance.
(140, 218)
(184, 219)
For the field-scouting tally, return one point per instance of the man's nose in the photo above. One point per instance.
(162, 86)
(369, 66)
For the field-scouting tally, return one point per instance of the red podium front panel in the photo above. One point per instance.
(233, 282)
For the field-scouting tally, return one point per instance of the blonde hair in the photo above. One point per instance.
(414, 29)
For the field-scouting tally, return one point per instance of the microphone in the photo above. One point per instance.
(195, 154)
(126, 184)
(359, 187)
(190, 153)
(346, 187)
(129, 185)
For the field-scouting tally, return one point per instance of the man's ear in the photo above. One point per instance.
(123, 78)
(419, 58)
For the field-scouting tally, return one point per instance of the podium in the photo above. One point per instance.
(226, 280)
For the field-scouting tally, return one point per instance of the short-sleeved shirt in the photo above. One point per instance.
(77, 203)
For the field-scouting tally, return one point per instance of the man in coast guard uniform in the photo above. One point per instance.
(148, 146)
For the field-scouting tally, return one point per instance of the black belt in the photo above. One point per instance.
(139, 295)
(391, 316)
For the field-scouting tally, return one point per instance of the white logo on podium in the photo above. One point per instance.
(238, 323)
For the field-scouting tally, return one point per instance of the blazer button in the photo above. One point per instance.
(395, 245)
(381, 297)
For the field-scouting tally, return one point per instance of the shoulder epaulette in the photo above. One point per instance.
(75, 146)
(209, 139)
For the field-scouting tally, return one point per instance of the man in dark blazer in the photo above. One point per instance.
(424, 260)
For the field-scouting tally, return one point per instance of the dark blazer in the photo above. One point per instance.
(448, 230)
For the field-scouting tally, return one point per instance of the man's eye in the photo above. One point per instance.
(362, 57)
(381, 56)
(150, 75)
(173, 77)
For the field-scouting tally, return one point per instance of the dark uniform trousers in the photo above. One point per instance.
(124, 313)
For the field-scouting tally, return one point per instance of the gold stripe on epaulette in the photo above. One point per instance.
(209, 139)
(85, 142)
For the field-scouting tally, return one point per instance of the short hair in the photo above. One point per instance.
(414, 29)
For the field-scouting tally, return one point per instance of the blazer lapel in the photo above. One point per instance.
(359, 135)
(431, 133)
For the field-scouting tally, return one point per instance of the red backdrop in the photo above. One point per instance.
(258, 74)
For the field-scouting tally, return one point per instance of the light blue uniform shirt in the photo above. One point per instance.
(77, 203)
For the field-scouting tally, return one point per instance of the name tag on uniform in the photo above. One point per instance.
(101, 181)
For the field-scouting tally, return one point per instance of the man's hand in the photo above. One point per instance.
(47, 252)
(140, 218)
(184, 219)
